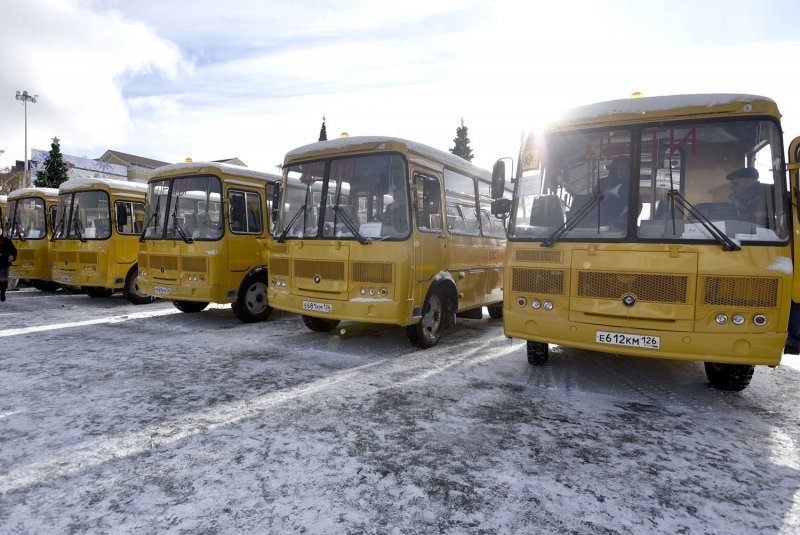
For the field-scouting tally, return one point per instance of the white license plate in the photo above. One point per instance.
(628, 340)
(66, 278)
(317, 307)
(163, 290)
(12, 275)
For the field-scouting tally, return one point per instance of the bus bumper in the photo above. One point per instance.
(730, 347)
(363, 310)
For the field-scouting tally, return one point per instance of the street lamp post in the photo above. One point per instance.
(25, 98)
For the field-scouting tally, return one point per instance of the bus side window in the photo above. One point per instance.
(428, 204)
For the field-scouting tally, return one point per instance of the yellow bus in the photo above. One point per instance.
(654, 227)
(384, 230)
(31, 212)
(206, 237)
(96, 237)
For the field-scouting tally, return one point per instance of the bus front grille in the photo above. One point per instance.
(158, 261)
(372, 272)
(328, 270)
(543, 281)
(279, 266)
(538, 255)
(654, 288)
(197, 264)
(761, 292)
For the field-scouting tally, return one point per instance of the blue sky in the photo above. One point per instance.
(252, 79)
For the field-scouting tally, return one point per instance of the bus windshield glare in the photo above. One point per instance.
(26, 219)
(184, 208)
(83, 215)
(682, 183)
(365, 197)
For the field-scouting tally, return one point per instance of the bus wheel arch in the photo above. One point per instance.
(131, 290)
(438, 313)
(251, 303)
(730, 377)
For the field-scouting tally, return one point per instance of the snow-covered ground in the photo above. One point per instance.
(126, 419)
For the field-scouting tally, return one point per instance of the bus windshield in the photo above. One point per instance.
(682, 182)
(26, 219)
(83, 215)
(358, 197)
(184, 208)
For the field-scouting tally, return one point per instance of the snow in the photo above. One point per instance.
(30, 192)
(197, 167)
(130, 419)
(782, 264)
(83, 182)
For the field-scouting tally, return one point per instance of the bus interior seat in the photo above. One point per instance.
(547, 212)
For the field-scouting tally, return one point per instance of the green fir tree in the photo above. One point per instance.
(323, 132)
(461, 140)
(55, 170)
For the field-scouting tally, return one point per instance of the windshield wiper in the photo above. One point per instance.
(78, 232)
(573, 221)
(59, 225)
(291, 222)
(723, 239)
(350, 224)
(179, 227)
(16, 228)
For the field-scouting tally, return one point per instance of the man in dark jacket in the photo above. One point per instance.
(7, 255)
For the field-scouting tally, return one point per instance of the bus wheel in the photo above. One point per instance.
(45, 286)
(427, 332)
(190, 306)
(320, 325)
(495, 312)
(731, 377)
(92, 291)
(131, 290)
(251, 304)
(538, 353)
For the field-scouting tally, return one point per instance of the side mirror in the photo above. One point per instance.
(122, 216)
(501, 207)
(498, 179)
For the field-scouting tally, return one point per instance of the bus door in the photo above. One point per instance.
(466, 254)
(247, 213)
(430, 243)
(794, 180)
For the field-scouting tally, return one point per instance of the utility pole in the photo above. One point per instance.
(25, 98)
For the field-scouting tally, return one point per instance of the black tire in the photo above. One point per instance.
(730, 377)
(495, 312)
(538, 353)
(251, 304)
(427, 332)
(131, 290)
(45, 286)
(190, 306)
(320, 325)
(97, 292)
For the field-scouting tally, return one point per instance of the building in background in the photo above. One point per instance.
(138, 167)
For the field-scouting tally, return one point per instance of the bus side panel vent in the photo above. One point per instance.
(372, 272)
(539, 255)
(279, 266)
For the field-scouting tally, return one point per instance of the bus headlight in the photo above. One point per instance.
(372, 291)
(521, 302)
(760, 320)
(142, 273)
(363, 291)
(548, 305)
(738, 319)
(384, 292)
(721, 319)
(536, 304)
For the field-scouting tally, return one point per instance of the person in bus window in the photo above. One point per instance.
(615, 187)
(749, 197)
(396, 214)
(8, 252)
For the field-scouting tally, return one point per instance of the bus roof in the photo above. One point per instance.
(104, 183)
(199, 168)
(647, 109)
(33, 192)
(360, 144)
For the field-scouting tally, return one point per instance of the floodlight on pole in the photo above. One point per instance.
(25, 98)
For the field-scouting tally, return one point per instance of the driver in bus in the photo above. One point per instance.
(749, 197)
(396, 214)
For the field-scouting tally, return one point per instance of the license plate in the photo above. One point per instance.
(628, 340)
(163, 290)
(12, 275)
(317, 307)
(66, 278)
